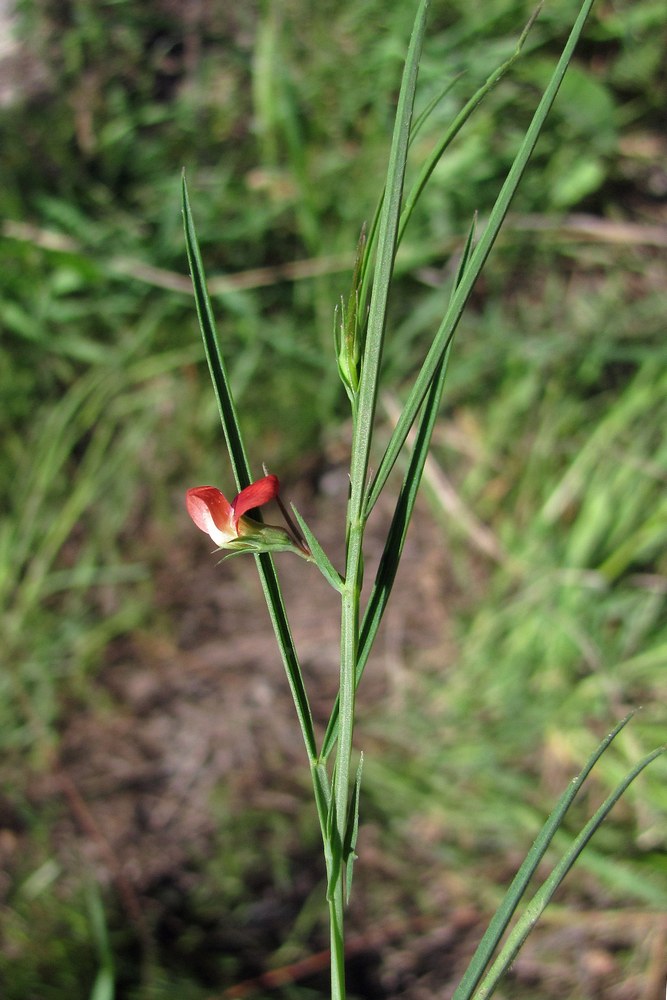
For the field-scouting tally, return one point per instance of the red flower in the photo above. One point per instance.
(226, 524)
(224, 521)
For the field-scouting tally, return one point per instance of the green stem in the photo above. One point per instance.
(337, 946)
(340, 789)
(335, 896)
(364, 416)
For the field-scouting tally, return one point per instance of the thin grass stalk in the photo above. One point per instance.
(241, 469)
(367, 400)
(393, 549)
(362, 433)
(364, 415)
(448, 326)
(544, 894)
(443, 143)
(501, 918)
(450, 134)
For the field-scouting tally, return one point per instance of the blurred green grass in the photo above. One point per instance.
(281, 117)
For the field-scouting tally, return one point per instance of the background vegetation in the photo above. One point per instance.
(551, 624)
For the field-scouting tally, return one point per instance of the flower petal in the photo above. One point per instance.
(212, 513)
(255, 495)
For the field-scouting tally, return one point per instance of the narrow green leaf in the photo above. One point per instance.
(320, 558)
(431, 162)
(384, 267)
(369, 248)
(505, 911)
(402, 517)
(545, 893)
(448, 326)
(393, 548)
(425, 113)
(322, 793)
(241, 470)
(281, 627)
(364, 421)
(214, 356)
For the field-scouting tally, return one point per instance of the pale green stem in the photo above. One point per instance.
(364, 414)
(340, 790)
(337, 940)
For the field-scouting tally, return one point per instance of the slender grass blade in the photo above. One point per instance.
(241, 469)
